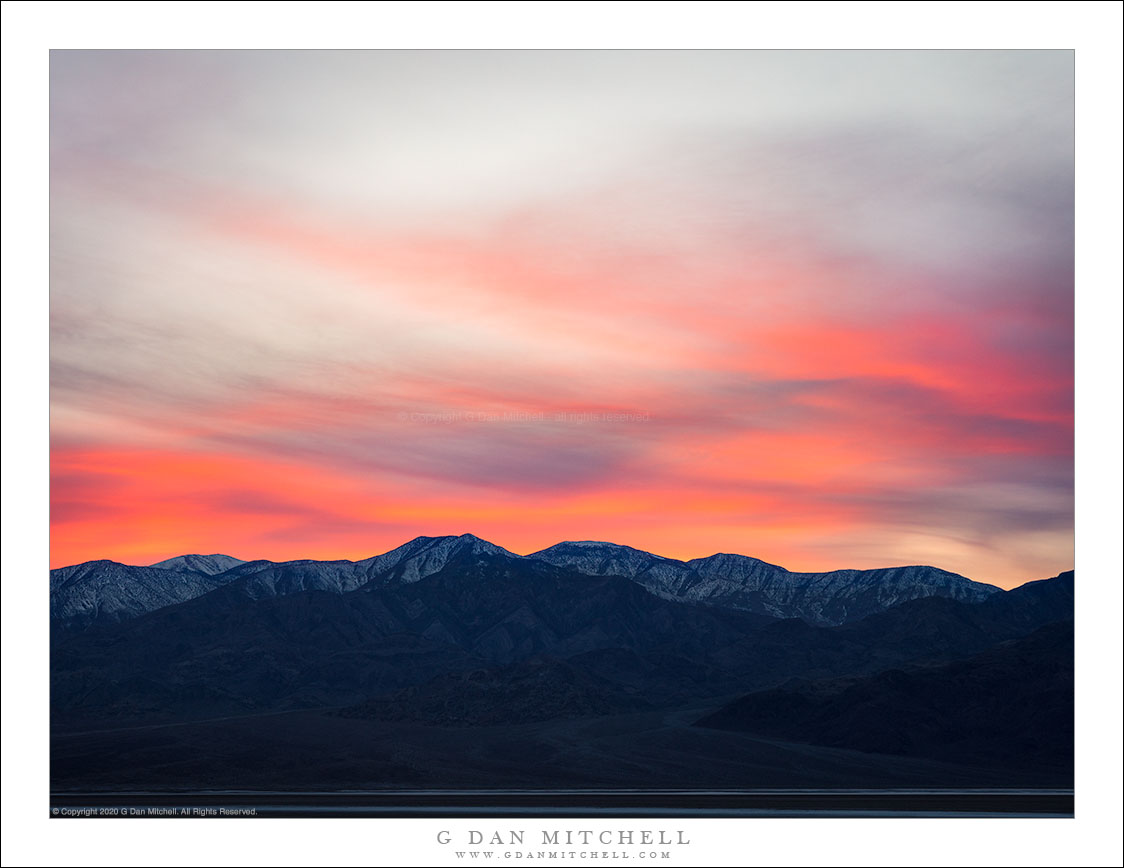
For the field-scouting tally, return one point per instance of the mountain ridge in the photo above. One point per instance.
(745, 582)
(227, 653)
(95, 590)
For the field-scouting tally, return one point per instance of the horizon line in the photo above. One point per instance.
(561, 542)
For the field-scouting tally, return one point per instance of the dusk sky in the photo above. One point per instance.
(814, 307)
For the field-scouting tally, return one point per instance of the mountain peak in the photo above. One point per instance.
(208, 565)
(481, 546)
(425, 555)
(459, 542)
(589, 545)
(726, 558)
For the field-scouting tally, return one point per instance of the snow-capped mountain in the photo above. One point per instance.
(208, 565)
(109, 591)
(408, 563)
(741, 582)
(425, 556)
(104, 590)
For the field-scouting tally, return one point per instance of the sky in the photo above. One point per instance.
(814, 307)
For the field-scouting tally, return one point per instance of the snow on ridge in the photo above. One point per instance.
(724, 579)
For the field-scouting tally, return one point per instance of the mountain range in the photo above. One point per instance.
(593, 663)
(108, 591)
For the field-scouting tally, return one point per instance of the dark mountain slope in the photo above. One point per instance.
(1010, 705)
(227, 651)
(533, 690)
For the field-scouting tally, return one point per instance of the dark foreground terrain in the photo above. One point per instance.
(318, 751)
(487, 671)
